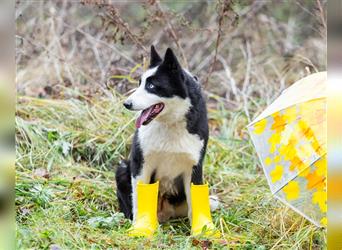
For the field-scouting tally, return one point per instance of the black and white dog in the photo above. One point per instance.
(170, 140)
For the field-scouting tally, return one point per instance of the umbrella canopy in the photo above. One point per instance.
(291, 142)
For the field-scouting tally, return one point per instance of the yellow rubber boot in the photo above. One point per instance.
(201, 217)
(146, 222)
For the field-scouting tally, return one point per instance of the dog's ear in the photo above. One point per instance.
(170, 61)
(155, 58)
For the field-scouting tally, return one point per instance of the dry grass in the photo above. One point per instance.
(75, 64)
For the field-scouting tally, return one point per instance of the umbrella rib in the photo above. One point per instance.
(298, 211)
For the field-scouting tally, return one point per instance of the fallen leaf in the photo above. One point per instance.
(41, 172)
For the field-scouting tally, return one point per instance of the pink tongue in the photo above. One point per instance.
(143, 116)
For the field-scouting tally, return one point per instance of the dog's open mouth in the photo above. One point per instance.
(147, 115)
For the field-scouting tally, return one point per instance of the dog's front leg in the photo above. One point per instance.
(145, 203)
(194, 176)
(187, 187)
(144, 177)
(134, 197)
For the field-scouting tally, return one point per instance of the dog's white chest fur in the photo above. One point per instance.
(169, 150)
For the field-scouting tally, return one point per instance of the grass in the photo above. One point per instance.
(67, 152)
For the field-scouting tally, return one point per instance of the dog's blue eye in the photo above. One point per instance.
(150, 86)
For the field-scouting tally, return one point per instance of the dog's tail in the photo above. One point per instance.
(124, 188)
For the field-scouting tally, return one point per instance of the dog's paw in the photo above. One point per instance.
(214, 202)
(163, 217)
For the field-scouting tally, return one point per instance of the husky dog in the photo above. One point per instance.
(170, 139)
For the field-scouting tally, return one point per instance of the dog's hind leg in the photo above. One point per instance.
(124, 188)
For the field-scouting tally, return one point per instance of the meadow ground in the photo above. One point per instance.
(66, 194)
(76, 63)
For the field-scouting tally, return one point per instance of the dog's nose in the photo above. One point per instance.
(128, 104)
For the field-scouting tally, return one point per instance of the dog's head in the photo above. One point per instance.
(162, 91)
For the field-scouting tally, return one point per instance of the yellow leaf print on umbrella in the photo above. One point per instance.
(290, 139)
(260, 126)
(292, 190)
(277, 173)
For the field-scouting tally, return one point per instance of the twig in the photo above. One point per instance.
(248, 67)
(230, 77)
(224, 11)
(102, 42)
(245, 15)
(113, 15)
(322, 16)
(62, 60)
(173, 34)
(246, 80)
(219, 32)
